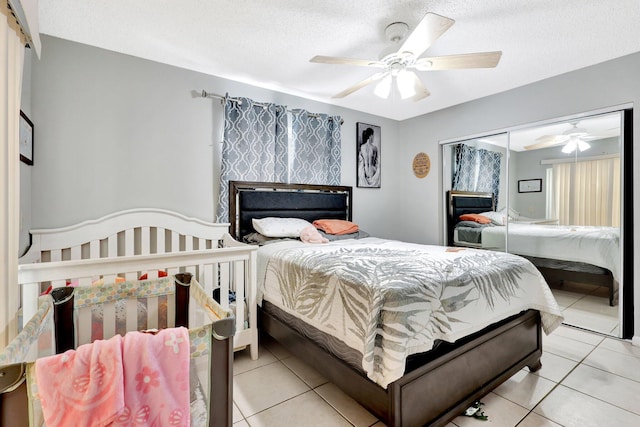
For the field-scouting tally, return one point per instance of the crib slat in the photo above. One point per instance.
(83, 326)
(30, 292)
(145, 240)
(129, 242)
(206, 278)
(76, 252)
(225, 284)
(171, 310)
(56, 255)
(132, 315)
(175, 242)
(188, 243)
(94, 249)
(160, 248)
(152, 313)
(191, 269)
(238, 276)
(108, 320)
(112, 242)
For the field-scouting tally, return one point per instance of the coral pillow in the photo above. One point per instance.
(160, 274)
(335, 226)
(481, 219)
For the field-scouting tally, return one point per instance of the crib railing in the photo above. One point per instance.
(232, 268)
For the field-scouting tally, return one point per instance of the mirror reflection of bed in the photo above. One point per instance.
(558, 203)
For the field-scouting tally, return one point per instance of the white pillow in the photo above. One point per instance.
(512, 213)
(497, 218)
(279, 227)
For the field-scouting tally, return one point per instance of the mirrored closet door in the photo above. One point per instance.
(553, 193)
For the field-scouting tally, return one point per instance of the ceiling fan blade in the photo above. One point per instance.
(346, 61)
(547, 141)
(426, 32)
(550, 138)
(465, 60)
(421, 91)
(361, 84)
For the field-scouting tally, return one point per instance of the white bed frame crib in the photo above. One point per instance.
(134, 242)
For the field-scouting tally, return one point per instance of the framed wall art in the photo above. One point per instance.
(26, 139)
(530, 185)
(368, 155)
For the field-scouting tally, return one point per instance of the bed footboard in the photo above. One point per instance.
(435, 392)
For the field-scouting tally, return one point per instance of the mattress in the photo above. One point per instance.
(598, 246)
(388, 299)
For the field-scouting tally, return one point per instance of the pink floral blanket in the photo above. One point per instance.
(141, 379)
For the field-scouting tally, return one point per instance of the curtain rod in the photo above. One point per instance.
(206, 94)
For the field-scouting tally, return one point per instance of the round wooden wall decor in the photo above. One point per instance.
(421, 165)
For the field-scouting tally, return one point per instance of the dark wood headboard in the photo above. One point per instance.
(462, 202)
(248, 200)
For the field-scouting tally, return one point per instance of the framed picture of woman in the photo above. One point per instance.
(368, 155)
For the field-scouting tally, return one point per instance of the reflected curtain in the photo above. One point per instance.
(255, 146)
(477, 169)
(587, 192)
(315, 155)
(12, 45)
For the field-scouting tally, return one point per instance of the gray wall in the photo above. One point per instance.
(526, 165)
(117, 132)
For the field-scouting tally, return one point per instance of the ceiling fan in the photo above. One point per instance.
(398, 64)
(574, 138)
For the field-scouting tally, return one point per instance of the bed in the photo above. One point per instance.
(131, 260)
(429, 382)
(576, 253)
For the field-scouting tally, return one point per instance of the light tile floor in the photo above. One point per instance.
(587, 379)
(587, 306)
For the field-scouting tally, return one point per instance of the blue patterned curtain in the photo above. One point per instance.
(316, 148)
(477, 169)
(255, 146)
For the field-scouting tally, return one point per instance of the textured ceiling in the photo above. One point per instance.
(269, 43)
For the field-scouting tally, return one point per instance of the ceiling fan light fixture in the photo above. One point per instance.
(583, 145)
(383, 88)
(570, 146)
(575, 144)
(405, 84)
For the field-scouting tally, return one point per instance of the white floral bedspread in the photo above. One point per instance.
(389, 299)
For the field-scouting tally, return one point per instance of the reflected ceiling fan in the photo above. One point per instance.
(398, 63)
(574, 138)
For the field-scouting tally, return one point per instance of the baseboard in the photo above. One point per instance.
(636, 340)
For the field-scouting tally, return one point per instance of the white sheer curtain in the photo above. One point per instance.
(587, 192)
(11, 63)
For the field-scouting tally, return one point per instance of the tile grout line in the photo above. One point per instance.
(559, 383)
